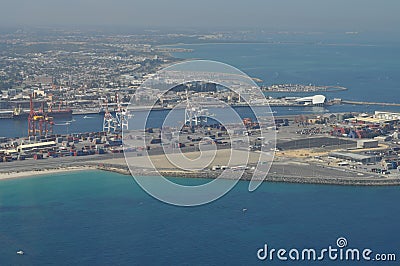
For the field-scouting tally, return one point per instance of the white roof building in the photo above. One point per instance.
(312, 100)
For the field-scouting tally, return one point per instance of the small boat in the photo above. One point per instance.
(63, 124)
(244, 210)
(20, 252)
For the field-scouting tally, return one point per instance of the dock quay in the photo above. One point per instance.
(299, 88)
(369, 103)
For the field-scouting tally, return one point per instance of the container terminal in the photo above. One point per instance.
(362, 146)
(350, 149)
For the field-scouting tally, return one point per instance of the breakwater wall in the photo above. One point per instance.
(356, 181)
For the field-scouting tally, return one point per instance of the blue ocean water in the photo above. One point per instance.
(101, 218)
(370, 71)
(78, 124)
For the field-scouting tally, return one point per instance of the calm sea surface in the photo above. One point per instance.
(100, 218)
(370, 72)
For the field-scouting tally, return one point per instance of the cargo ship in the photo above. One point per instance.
(56, 114)
(6, 114)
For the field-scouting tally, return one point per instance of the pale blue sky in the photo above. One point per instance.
(278, 14)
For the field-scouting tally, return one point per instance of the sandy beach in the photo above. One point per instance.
(20, 174)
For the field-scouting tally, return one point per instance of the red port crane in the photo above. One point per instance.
(38, 122)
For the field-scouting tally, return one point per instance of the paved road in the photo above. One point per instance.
(314, 170)
(317, 142)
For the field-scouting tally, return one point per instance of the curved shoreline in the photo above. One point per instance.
(356, 181)
(42, 172)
